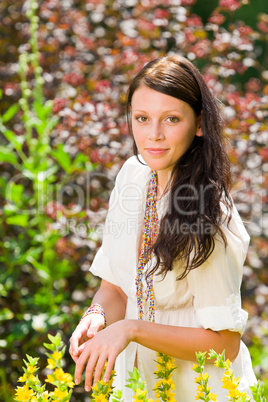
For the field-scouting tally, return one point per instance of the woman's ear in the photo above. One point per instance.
(198, 126)
(199, 132)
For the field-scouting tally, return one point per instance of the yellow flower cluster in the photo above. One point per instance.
(231, 383)
(137, 385)
(29, 391)
(33, 391)
(203, 391)
(141, 395)
(101, 391)
(165, 386)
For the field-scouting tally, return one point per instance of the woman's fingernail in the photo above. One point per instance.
(87, 388)
(76, 381)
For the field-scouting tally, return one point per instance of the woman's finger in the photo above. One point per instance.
(99, 369)
(109, 368)
(80, 364)
(81, 349)
(79, 336)
(97, 323)
(92, 361)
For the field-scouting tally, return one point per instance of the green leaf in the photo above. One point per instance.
(14, 192)
(3, 185)
(16, 140)
(56, 340)
(79, 162)
(19, 220)
(45, 174)
(32, 360)
(42, 269)
(49, 346)
(9, 209)
(49, 256)
(6, 314)
(117, 396)
(62, 157)
(6, 155)
(10, 113)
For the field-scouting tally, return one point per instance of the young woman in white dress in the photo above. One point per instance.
(173, 245)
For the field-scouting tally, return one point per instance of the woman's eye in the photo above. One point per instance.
(172, 119)
(141, 119)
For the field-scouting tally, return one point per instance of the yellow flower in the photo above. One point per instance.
(199, 395)
(51, 364)
(170, 398)
(157, 384)
(159, 367)
(24, 394)
(100, 398)
(235, 393)
(140, 394)
(212, 397)
(33, 378)
(228, 384)
(228, 363)
(59, 394)
(170, 364)
(31, 369)
(201, 377)
(56, 355)
(50, 379)
(60, 375)
(64, 378)
(46, 396)
(23, 378)
(205, 376)
(200, 388)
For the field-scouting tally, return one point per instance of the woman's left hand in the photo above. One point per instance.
(104, 346)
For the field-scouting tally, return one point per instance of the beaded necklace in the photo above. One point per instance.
(149, 235)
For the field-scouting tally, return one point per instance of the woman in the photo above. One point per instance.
(171, 277)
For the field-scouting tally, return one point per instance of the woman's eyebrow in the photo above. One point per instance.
(165, 111)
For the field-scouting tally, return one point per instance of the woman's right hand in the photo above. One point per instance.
(85, 330)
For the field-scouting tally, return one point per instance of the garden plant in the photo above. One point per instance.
(34, 391)
(64, 70)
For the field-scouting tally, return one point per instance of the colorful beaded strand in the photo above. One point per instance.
(150, 232)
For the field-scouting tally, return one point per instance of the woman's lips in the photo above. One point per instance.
(156, 151)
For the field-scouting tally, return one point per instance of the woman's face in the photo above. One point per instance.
(163, 127)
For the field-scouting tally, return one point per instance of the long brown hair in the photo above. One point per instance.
(201, 178)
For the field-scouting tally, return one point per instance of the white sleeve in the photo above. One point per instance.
(114, 261)
(215, 285)
(101, 265)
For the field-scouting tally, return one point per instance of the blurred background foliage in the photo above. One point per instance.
(65, 66)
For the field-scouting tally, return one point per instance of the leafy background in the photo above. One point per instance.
(63, 138)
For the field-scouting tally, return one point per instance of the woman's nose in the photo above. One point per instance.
(155, 132)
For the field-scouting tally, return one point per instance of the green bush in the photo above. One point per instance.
(63, 137)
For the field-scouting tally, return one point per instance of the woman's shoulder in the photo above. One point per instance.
(133, 169)
(234, 229)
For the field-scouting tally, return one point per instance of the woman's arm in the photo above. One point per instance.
(179, 342)
(183, 342)
(113, 300)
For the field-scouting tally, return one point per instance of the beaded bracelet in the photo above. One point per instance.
(95, 309)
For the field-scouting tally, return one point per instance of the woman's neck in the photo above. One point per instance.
(163, 178)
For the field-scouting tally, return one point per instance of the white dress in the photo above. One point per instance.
(208, 297)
